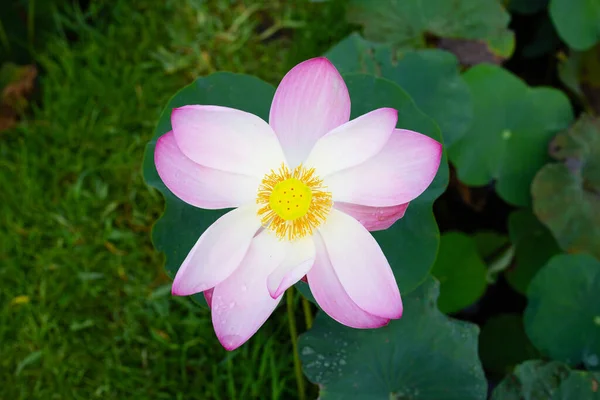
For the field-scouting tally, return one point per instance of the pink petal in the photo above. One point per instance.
(226, 139)
(311, 100)
(242, 303)
(208, 297)
(331, 296)
(354, 142)
(218, 252)
(373, 218)
(398, 174)
(361, 266)
(197, 185)
(300, 257)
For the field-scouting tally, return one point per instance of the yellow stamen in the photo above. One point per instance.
(293, 202)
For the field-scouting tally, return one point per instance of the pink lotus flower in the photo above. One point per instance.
(307, 187)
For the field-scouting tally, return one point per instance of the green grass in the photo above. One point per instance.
(85, 307)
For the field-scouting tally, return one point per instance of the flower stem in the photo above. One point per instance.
(294, 337)
(308, 319)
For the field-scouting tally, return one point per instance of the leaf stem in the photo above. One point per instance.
(294, 337)
(308, 318)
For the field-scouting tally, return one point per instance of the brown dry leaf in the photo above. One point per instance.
(470, 52)
(14, 98)
(580, 72)
(8, 118)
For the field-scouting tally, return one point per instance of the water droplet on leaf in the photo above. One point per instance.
(307, 351)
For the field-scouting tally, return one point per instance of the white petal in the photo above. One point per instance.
(298, 261)
(353, 143)
(226, 139)
(361, 266)
(311, 100)
(242, 303)
(403, 169)
(218, 252)
(198, 185)
(331, 296)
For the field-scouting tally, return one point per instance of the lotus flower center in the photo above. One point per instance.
(293, 202)
(290, 199)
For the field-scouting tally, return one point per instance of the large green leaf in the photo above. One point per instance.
(566, 197)
(534, 246)
(577, 21)
(425, 355)
(410, 245)
(431, 77)
(507, 142)
(460, 271)
(562, 318)
(532, 380)
(504, 344)
(406, 23)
